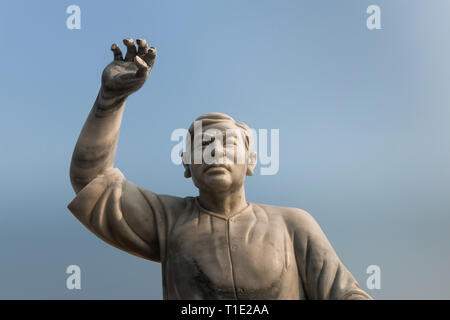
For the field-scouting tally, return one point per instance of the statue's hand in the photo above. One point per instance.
(122, 77)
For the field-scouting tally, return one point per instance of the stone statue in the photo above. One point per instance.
(216, 245)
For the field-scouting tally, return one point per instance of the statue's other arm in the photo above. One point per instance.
(323, 275)
(116, 210)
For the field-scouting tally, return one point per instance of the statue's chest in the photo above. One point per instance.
(239, 257)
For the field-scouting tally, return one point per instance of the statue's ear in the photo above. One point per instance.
(251, 164)
(187, 169)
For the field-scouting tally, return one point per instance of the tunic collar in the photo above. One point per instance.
(221, 216)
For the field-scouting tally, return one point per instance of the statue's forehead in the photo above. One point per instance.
(226, 129)
(222, 125)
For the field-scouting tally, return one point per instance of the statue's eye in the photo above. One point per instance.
(207, 140)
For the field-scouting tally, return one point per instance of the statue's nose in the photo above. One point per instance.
(219, 149)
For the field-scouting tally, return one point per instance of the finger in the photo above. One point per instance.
(143, 47)
(150, 56)
(140, 63)
(142, 66)
(131, 49)
(117, 52)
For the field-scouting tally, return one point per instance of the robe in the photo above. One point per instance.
(261, 252)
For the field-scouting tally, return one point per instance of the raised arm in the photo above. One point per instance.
(96, 146)
(116, 210)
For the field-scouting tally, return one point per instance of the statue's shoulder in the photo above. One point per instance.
(166, 203)
(174, 203)
(291, 215)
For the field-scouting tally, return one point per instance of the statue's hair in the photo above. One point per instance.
(208, 119)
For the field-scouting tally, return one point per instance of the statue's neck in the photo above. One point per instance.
(224, 203)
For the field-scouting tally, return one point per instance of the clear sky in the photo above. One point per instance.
(363, 118)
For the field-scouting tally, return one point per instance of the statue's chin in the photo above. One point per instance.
(217, 183)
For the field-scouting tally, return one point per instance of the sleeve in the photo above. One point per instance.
(121, 214)
(323, 275)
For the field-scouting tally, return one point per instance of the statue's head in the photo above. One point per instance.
(219, 153)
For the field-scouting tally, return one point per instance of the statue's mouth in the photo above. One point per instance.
(216, 167)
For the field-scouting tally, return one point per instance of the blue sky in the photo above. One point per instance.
(363, 118)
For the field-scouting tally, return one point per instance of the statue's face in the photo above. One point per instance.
(220, 158)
